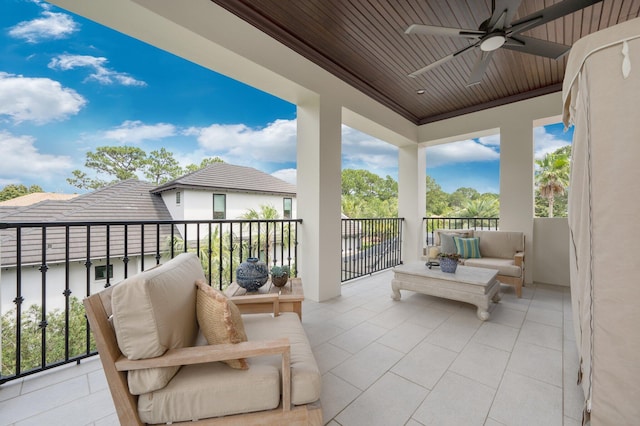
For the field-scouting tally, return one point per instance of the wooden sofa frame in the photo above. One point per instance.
(116, 365)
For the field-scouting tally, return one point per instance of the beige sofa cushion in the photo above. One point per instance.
(306, 381)
(462, 233)
(220, 320)
(500, 244)
(211, 390)
(504, 266)
(154, 311)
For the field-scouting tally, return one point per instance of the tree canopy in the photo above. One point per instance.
(14, 191)
(117, 163)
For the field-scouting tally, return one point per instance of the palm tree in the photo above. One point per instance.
(552, 176)
(481, 207)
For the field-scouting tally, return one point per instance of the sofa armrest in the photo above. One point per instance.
(211, 353)
(519, 259)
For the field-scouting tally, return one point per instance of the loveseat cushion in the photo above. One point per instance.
(154, 311)
(306, 381)
(467, 247)
(212, 390)
(500, 244)
(504, 266)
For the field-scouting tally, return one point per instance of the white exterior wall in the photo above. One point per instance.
(199, 204)
(169, 198)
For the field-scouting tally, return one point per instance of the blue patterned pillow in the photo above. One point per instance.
(467, 247)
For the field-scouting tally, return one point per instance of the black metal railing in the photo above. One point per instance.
(370, 245)
(47, 268)
(431, 224)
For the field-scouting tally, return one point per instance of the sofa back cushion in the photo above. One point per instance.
(463, 233)
(500, 244)
(155, 311)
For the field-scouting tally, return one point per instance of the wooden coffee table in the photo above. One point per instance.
(290, 297)
(477, 286)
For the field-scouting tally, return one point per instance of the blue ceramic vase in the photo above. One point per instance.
(252, 274)
(448, 265)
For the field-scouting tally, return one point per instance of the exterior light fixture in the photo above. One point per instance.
(420, 91)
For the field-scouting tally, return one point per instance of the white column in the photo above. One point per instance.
(319, 194)
(411, 199)
(516, 183)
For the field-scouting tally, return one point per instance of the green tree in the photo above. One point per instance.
(480, 207)
(118, 162)
(162, 167)
(365, 184)
(14, 191)
(552, 176)
(204, 163)
(31, 336)
(437, 199)
(461, 196)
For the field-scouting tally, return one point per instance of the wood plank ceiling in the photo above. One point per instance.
(363, 43)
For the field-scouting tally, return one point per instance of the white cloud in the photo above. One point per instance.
(20, 158)
(287, 175)
(40, 100)
(459, 152)
(101, 73)
(361, 151)
(49, 26)
(240, 144)
(136, 132)
(546, 142)
(493, 140)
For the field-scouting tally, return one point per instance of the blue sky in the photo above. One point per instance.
(68, 85)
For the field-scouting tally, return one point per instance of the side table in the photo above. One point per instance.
(290, 297)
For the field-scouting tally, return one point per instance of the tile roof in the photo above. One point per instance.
(129, 200)
(230, 178)
(36, 197)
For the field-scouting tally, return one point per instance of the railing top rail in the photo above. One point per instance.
(459, 218)
(8, 225)
(372, 218)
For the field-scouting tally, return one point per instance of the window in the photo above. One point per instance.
(178, 198)
(287, 208)
(219, 206)
(101, 272)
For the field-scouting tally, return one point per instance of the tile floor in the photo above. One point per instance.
(417, 361)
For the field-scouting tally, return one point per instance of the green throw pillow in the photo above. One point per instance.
(467, 248)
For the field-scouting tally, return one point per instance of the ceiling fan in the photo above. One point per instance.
(498, 31)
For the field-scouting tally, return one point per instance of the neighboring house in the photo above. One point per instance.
(219, 191)
(36, 197)
(225, 191)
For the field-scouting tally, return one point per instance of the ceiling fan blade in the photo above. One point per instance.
(535, 46)
(440, 61)
(503, 13)
(548, 14)
(480, 67)
(443, 31)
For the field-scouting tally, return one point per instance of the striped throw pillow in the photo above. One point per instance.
(468, 248)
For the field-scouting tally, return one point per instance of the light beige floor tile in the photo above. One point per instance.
(481, 363)
(451, 335)
(389, 401)
(392, 317)
(352, 318)
(336, 395)
(496, 335)
(97, 381)
(111, 420)
(415, 367)
(319, 334)
(537, 362)
(368, 365)
(572, 392)
(545, 316)
(412, 422)
(328, 356)
(43, 400)
(456, 400)
(405, 337)
(74, 412)
(10, 390)
(507, 316)
(429, 317)
(523, 401)
(57, 375)
(541, 335)
(358, 337)
(491, 422)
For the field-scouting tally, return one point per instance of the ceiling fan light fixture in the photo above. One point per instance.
(492, 43)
